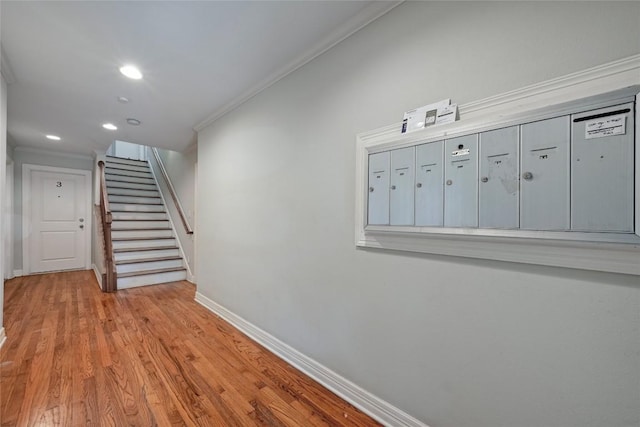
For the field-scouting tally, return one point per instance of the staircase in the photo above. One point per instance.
(145, 248)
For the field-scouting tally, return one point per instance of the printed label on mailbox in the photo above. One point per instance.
(609, 126)
(464, 152)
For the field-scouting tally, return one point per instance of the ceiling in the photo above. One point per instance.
(199, 60)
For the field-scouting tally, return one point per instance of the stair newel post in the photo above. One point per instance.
(107, 219)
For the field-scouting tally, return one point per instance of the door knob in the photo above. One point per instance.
(81, 220)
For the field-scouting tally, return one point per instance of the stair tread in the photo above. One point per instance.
(113, 184)
(116, 210)
(150, 272)
(140, 229)
(140, 260)
(139, 219)
(133, 195)
(124, 158)
(126, 239)
(111, 178)
(136, 203)
(120, 166)
(145, 249)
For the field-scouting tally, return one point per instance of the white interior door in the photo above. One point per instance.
(60, 232)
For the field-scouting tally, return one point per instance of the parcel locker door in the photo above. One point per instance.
(461, 182)
(402, 178)
(544, 183)
(429, 184)
(499, 184)
(602, 169)
(378, 208)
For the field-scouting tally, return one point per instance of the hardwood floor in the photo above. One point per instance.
(148, 356)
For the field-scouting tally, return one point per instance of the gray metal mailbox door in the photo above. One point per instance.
(544, 184)
(461, 182)
(602, 172)
(429, 188)
(402, 179)
(378, 208)
(499, 183)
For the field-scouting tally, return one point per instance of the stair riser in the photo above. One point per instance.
(120, 178)
(147, 266)
(151, 279)
(132, 192)
(134, 199)
(137, 168)
(137, 244)
(136, 208)
(148, 216)
(112, 185)
(150, 234)
(121, 161)
(133, 225)
(122, 172)
(125, 256)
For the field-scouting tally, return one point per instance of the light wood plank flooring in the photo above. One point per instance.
(143, 357)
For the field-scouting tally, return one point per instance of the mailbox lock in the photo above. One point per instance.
(449, 182)
(419, 185)
(484, 179)
(370, 189)
(393, 187)
(528, 176)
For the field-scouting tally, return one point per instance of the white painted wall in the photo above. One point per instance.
(181, 168)
(452, 341)
(127, 150)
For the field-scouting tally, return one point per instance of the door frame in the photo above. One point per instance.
(8, 222)
(27, 169)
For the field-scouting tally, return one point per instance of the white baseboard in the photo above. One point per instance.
(368, 403)
(17, 273)
(3, 337)
(98, 275)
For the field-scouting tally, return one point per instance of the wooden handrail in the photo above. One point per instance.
(105, 213)
(172, 190)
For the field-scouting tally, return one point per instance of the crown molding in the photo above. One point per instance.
(369, 14)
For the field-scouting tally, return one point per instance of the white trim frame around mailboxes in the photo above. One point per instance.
(593, 87)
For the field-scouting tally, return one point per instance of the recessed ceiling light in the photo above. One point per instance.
(123, 100)
(133, 122)
(54, 137)
(110, 126)
(131, 71)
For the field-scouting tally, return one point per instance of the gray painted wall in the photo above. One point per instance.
(22, 156)
(452, 341)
